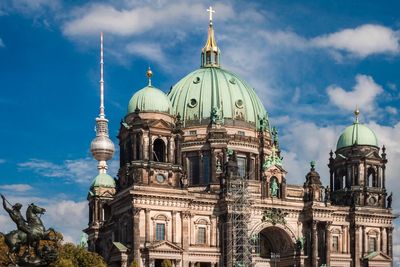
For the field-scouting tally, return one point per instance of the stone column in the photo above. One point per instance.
(185, 218)
(173, 226)
(328, 243)
(178, 263)
(213, 264)
(364, 242)
(192, 264)
(384, 241)
(136, 234)
(147, 227)
(314, 236)
(389, 232)
(345, 235)
(212, 232)
(357, 246)
(229, 242)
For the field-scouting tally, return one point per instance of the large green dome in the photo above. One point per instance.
(196, 95)
(149, 99)
(357, 134)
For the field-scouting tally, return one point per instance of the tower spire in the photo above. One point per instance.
(102, 147)
(210, 54)
(101, 115)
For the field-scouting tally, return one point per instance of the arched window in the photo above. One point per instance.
(159, 150)
(372, 177)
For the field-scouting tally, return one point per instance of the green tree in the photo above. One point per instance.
(71, 255)
(166, 263)
(4, 260)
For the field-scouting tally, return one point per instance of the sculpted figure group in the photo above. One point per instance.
(24, 243)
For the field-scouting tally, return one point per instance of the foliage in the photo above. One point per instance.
(4, 260)
(166, 263)
(134, 264)
(71, 255)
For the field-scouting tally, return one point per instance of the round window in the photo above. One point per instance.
(160, 178)
(196, 80)
(239, 103)
(192, 103)
(232, 80)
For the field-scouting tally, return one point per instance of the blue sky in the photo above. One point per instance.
(311, 63)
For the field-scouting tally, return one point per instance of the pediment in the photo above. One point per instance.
(377, 256)
(165, 246)
(274, 169)
(159, 124)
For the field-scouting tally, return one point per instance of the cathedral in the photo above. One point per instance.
(202, 183)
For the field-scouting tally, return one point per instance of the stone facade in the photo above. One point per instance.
(158, 212)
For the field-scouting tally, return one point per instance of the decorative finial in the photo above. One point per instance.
(102, 115)
(210, 56)
(357, 113)
(149, 74)
(210, 10)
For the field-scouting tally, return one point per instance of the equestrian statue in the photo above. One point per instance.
(24, 244)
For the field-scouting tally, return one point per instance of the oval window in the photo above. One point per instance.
(239, 103)
(192, 103)
(232, 80)
(160, 178)
(196, 80)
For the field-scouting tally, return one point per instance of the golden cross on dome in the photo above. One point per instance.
(210, 10)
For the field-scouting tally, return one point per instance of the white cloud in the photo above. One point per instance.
(78, 170)
(286, 39)
(16, 187)
(150, 51)
(92, 19)
(363, 94)
(391, 110)
(305, 142)
(363, 41)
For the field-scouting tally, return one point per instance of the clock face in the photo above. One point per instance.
(160, 178)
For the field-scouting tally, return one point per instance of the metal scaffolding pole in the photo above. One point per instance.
(239, 252)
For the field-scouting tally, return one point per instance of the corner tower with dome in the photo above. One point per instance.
(202, 183)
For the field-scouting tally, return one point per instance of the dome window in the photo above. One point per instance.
(239, 103)
(232, 80)
(192, 103)
(196, 80)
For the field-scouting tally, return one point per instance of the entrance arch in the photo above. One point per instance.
(272, 241)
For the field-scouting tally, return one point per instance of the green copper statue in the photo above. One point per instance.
(274, 188)
(29, 233)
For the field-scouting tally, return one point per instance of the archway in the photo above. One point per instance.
(276, 245)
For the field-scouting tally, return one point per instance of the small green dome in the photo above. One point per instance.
(195, 96)
(103, 180)
(357, 134)
(149, 99)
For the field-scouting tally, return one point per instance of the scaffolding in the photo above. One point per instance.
(239, 248)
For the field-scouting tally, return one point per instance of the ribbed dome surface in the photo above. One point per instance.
(103, 180)
(357, 134)
(194, 97)
(149, 99)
